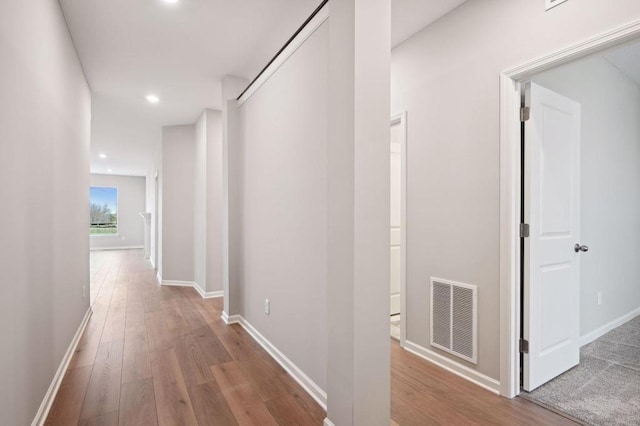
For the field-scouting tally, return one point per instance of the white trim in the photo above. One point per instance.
(316, 392)
(176, 283)
(116, 248)
(158, 276)
(201, 292)
(327, 422)
(510, 190)
(601, 331)
(509, 237)
(50, 396)
(233, 319)
(401, 117)
(561, 56)
(298, 41)
(207, 294)
(454, 367)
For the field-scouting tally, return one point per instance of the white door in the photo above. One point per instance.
(551, 267)
(396, 212)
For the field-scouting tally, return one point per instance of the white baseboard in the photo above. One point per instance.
(327, 422)
(201, 292)
(50, 396)
(601, 331)
(116, 248)
(316, 392)
(175, 283)
(233, 319)
(208, 294)
(454, 367)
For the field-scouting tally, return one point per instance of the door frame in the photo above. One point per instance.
(511, 82)
(401, 119)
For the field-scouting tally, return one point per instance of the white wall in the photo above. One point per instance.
(156, 219)
(215, 202)
(208, 226)
(447, 78)
(283, 207)
(45, 109)
(178, 201)
(153, 180)
(610, 186)
(200, 204)
(131, 201)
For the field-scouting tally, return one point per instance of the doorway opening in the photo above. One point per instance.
(574, 309)
(398, 225)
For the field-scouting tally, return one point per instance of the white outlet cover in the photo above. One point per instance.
(550, 4)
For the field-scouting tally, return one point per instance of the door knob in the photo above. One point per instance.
(578, 248)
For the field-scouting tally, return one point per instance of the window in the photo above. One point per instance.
(103, 210)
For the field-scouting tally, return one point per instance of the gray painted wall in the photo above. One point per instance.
(283, 207)
(610, 189)
(208, 225)
(178, 201)
(45, 113)
(153, 180)
(215, 182)
(200, 204)
(131, 201)
(447, 79)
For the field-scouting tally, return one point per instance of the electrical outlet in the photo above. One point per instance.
(599, 298)
(267, 306)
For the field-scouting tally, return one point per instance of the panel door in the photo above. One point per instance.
(551, 267)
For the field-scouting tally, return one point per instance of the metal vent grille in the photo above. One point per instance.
(453, 318)
(441, 333)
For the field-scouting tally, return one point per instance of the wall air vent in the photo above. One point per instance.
(454, 318)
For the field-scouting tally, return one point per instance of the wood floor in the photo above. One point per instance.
(161, 355)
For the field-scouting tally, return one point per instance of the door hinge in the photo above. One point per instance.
(524, 114)
(524, 346)
(524, 230)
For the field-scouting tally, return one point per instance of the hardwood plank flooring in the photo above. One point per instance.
(154, 355)
(138, 403)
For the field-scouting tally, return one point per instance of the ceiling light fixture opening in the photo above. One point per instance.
(109, 171)
(153, 99)
(171, 1)
(102, 155)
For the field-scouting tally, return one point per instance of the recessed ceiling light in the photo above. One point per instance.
(171, 1)
(109, 171)
(153, 99)
(102, 155)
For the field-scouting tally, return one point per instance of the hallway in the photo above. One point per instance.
(162, 355)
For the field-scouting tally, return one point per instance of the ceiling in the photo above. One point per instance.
(410, 16)
(180, 52)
